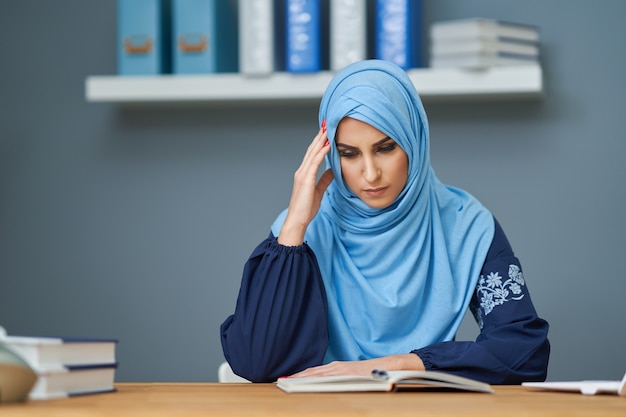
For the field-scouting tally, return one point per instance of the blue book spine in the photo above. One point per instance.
(303, 36)
(398, 32)
(142, 34)
(204, 36)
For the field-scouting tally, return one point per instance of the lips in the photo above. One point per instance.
(375, 192)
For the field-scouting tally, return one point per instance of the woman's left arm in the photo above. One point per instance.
(513, 345)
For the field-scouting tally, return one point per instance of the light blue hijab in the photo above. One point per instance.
(402, 277)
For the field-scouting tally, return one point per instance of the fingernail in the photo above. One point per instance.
(326, 143)
(324, 125)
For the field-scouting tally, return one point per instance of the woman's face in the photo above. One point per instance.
(374, 167)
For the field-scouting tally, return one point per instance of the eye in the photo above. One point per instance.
(388, 147)
(347, 153)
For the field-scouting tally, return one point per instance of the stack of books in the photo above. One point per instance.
(66, 367)
(482, 43)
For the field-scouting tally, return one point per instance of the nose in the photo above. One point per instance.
(371, 170)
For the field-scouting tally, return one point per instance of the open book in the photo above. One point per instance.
(588, 387)
(381, 381)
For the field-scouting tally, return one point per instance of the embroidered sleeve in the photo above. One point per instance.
(493, 290)
(512, 346)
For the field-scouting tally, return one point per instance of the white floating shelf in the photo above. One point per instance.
(445, 83)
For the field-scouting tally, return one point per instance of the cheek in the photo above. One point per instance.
(400, 170)
(350, 175)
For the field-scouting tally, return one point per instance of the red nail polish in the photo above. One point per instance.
(324, 125)
(326, 143)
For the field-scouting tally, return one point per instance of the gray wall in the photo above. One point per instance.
(134, 223)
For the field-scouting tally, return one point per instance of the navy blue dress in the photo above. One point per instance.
(280, 322)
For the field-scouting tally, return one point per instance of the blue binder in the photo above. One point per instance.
(204, 36)
(398, 32)
(303, 32)
(143, 37)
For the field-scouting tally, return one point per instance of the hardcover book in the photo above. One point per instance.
(45, 353)
(483, 28)
(483, 46)
(72, 381)
(481, 61)
(66, 366)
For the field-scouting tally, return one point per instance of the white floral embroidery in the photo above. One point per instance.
(493, 291)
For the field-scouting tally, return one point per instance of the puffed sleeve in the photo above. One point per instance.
(280, 322)
(513, 345)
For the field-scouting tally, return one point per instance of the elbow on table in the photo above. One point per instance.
(243, 360)
(536, 368)
(253, 374)
(532, 369)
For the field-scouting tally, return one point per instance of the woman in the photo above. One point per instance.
(374, 265)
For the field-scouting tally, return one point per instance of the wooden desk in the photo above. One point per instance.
(214, 399)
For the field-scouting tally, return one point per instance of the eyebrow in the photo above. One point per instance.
(380, 142)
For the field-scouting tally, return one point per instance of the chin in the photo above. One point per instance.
(377, 204)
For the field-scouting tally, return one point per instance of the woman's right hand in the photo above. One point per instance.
(307, 192)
